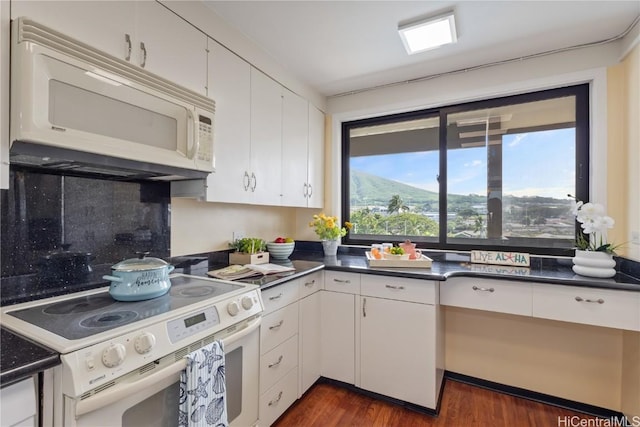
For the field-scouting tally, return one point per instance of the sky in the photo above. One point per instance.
(534, 164)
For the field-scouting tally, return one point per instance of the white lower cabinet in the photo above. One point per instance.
(278, 351)
(503, 296)
(399, 333)
(599, 307)
(310, 368)
(19, 404)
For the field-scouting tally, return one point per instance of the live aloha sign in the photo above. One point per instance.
(500, 258)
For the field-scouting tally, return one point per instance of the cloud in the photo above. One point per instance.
(473, 164)
(516, 140)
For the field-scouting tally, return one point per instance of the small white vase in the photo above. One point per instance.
(330, 247)
(594, 264)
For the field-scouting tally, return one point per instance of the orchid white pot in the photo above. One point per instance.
(330, 247)
(594, 264)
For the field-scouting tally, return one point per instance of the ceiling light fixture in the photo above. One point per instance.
(429, 33)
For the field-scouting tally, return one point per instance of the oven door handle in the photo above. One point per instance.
(110, 396)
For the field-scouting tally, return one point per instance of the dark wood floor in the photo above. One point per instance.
(462, 405)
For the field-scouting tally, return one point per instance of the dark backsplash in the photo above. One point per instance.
(99, 222)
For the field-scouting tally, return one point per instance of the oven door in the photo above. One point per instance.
(153, 400)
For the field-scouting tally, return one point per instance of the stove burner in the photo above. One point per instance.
(109, 319)
(196, 291)
(80, 305)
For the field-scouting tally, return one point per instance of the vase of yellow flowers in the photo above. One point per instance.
(329, 231)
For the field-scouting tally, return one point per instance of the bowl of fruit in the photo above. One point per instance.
(281, 248)
(395, 253)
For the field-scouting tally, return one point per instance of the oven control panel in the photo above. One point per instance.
(186, 326)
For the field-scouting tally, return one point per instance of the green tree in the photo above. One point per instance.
(396, 204)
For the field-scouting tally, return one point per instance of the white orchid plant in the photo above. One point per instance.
(594, 222)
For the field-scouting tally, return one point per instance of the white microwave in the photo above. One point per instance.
(67, 97)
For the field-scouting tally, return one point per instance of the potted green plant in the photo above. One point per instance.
(249, 250)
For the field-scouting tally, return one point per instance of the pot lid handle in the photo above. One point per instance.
(141, 255)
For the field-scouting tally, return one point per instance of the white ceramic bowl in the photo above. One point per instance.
(280, 250)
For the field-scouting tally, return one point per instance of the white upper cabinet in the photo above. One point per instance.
(169, 46)
(230, 87)
(315, 159)
(144, 33)
(295, 136)
(266, 140)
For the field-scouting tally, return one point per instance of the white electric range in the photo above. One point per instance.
(121, 360)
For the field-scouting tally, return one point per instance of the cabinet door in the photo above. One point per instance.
(229, 85)
(315, 161)
(295, 133)
(100, 24)
(338, 336)
(397, 348)
(266, 139)
(173, 48)
(309, 336)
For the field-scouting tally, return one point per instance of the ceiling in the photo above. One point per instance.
(339, 47)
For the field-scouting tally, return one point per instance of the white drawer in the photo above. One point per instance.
(339, 281)
(311, 284)
(276, 363)
(277, 327)
(504, 296)
(398, 288)
(279, 296)
(601, 307)
(278, 398)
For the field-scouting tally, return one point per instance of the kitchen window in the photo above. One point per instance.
(492, 174)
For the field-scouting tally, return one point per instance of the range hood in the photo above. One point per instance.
(79, 163)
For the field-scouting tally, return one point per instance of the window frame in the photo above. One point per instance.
(581, 91)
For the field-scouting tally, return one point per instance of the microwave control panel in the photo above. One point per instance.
(205, 151)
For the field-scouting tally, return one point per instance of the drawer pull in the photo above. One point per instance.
(276, 363)
(310, 284)
(597, 301)
(475, 288)
(342, 281)
(275, 297)
(394, 287)
(277, 325)
(276, 400)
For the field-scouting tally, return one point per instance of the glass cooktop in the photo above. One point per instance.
(81, 317)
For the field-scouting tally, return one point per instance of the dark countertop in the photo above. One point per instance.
(21, 358)
(447, 265)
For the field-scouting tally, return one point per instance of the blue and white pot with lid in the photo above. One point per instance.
(138, 279)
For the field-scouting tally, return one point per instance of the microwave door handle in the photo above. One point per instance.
(193, 136)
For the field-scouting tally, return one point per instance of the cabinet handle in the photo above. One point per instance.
(310, 190)
(276, 400)
(277, 325)
(310, 284)
(144, 54)
(275, 297)
(364, 307)
(596, 301)
(475, 288)
(394, 287)
(127, 40)
(276, 363)
(341, 281)
(255, 182)
(305, 191)
(246, 181)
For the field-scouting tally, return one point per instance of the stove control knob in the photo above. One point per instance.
(233, 308)
(144, 342)
(113, 355)
(247, 302)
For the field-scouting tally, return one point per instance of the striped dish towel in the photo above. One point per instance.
(203, 399)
